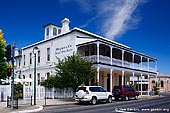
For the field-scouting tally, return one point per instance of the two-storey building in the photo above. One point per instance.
(114, 62)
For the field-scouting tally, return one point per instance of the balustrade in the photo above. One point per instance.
(118, 62)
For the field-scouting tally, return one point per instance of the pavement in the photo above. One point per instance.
(24, 106)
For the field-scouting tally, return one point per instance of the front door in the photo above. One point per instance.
(108, 82)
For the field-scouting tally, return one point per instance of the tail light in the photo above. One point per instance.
(87, 92)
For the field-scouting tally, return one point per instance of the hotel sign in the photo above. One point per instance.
(63, 50)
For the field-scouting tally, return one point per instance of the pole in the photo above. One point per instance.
(35, 73)
(45, 90)
(138, 83)
(34, 78)
(45, 96)
(12, 82)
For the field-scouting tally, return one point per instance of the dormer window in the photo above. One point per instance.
(54, 31)
(47, 32)
(51, 31)
(59, 31)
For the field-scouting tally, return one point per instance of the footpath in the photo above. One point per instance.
(24, 106)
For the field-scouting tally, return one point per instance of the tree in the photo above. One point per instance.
(72, 72)
(156, 88)
(49, 83)
(3, 65)
(18, 91)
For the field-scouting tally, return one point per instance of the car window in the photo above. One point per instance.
(131, 89)
(94, 89)
(128, 89)
(97, 89)
(116, 87)
(125, 89)
(81, 88)
(102, 89)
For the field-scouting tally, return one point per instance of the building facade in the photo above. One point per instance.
(114, 62)
(162, 80)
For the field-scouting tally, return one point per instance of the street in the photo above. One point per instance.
(158, 105)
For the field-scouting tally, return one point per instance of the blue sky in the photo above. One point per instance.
(144, 25)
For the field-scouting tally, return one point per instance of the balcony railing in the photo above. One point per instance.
(118, 62)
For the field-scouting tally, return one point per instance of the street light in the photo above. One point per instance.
(35, 48)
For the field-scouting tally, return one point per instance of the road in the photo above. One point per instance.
(154, 105)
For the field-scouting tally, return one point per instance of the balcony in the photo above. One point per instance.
(118, 62)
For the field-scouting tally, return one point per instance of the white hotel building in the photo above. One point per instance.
(114, 62)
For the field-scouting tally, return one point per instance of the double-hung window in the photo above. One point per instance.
(38, 56)
(48, 54)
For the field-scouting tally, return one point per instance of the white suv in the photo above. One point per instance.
(92, 94)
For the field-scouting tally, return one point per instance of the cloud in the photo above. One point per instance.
(116, 16)
(120, 17)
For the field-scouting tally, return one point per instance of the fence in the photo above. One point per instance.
(5, 90)
(41, 92)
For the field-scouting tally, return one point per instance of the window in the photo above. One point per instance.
(38, 56)
(47, 32)
(125, 89)
(48, 54)
(81, 88)
(30, 78)
(24, 60)
(128, 89)
(48, 75)
(96, 89)
(19, 62)
(23, 76)
(153, 82)
(30, 58)
(93, 89)
(54, 31)
(38, 78)
(102, 90)
(59, 31)
(162, 83)
(92, 50)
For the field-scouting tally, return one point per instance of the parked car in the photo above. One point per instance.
(124, 92)
(92, 94)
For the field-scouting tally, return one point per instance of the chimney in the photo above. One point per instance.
(16, 52)
(65, 25)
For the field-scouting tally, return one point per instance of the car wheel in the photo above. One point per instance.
(126, 97)
(136, 97)
(110, 99)
(94, 100)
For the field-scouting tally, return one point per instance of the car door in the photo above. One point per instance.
(103, 94)
(130, 92)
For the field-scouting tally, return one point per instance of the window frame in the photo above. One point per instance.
(47, 31)
(39, 56)
(30, 58)
(24, 60)
(48, 54)
(54, 31)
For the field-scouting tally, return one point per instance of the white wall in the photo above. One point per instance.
(84, 39)
(59, 49)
